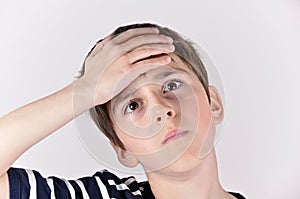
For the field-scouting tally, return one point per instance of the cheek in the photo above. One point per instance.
(195, 108)
(196, 114)
(205, 131)
(204, 115)
(139, 118)
(134, 143)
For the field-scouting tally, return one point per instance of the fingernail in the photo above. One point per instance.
(155, 30)
(168, 59)
(170, 39)
(172, 48)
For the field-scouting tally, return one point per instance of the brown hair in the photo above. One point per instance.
(183, 48)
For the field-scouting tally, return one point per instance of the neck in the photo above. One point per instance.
(200, 182)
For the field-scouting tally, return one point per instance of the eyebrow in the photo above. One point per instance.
(162, 75)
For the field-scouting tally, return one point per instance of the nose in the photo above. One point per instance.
(165, 113)
(162, 108)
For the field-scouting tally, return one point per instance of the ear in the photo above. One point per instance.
(216, 105)
(125, 157)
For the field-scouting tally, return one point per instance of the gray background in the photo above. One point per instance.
(254, 44)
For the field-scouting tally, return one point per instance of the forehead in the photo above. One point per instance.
(174, 67)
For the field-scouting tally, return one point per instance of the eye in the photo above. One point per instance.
(132, 106)
(171, 85)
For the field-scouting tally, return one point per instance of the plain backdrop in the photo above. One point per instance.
(254, 44)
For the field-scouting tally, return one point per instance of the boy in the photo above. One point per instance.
(147, 91)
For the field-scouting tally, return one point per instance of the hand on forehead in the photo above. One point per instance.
(176, 66)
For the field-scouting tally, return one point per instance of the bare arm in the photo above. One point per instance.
(4, 187)
(22, 128)
(27, 125)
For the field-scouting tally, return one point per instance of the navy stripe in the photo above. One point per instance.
(91, 187)
(60, 188)
(18, 183)
(104, 178)
(77, 189)
(43, 190)
(20, 187)
(134, 185)
(237, 195)
(112, 190)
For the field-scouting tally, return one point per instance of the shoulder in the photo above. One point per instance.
(102, 184)
(237, 195)
(120, 186)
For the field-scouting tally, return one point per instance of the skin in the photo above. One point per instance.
(178, 109)
(114, 63)
(186, 107)
(17, 134)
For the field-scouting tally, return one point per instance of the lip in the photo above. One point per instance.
(173, 135)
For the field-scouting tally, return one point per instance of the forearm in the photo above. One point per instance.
(108, 70)
(25, 126)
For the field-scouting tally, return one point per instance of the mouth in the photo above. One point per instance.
(173, 135)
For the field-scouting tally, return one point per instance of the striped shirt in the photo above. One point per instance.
(29, 184)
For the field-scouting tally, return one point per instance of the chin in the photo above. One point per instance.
(189, 162)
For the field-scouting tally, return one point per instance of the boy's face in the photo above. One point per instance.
(163, 118)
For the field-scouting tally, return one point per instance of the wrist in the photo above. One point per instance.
(83, 97)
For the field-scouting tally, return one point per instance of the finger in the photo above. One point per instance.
(153, 62)
(150, 64)
(123, 37)
(139, 68)
(140, 41)
(132, 71)
(147, 51)
(100, 45)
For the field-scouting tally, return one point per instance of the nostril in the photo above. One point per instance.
(159, 119)
(169, 113)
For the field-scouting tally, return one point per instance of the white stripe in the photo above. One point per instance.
(71, 189)
(32, 182)
(129, 181)
(137, 192)
(51, 186)
(121, 187)
(84, 193)
(103, 189)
